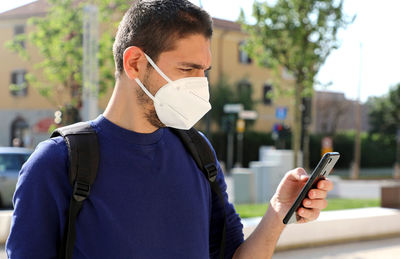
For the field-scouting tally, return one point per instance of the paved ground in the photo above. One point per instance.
(383, 248)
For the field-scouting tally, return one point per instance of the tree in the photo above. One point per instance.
(58, 37)
(298, 36)
(224, 93)
(384, 112)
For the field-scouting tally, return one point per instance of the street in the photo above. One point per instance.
(382, 248)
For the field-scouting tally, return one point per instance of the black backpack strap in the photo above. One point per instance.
(205, 160)
(83, 152)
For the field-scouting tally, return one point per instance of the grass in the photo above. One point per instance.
(258, 210)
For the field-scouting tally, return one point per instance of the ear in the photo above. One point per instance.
(134, 62)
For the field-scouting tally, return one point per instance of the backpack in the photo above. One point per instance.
(84, 153)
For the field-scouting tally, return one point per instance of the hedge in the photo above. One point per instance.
(376, 151)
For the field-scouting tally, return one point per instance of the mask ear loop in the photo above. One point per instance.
(159, 71)
(157, 68)
(145, 90)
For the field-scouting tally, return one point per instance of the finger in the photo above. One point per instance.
(298, 174)
(325, 185)
(315, 204)
(317, 194)
(308, 214)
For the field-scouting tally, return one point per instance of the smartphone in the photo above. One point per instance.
(322, 170)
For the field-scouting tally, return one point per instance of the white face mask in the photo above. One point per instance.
(181, 103)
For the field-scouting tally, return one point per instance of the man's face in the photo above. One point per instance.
(191, 57)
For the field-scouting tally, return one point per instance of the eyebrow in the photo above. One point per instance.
(195, 66)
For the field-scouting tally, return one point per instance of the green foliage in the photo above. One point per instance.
(376, 150)
(17, 88)
(58, 37)
(384, 112)
(258, 210)
(252, 141)
(251, 210)
(344, 204)
(298, 36)
(223, 93)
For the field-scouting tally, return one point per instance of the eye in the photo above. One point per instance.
(186, 69)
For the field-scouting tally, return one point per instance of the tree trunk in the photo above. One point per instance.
(357, 144)
(296, 142)
(306, 149)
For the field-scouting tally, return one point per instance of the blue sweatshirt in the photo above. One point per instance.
(149, 200)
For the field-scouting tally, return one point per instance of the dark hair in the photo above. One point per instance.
(155, 25)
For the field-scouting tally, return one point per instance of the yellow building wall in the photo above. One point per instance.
(225, 62)
(225, 52)
(11, 61)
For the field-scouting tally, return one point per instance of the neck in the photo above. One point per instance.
(124, 111)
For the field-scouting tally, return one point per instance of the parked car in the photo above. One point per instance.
(11, 161)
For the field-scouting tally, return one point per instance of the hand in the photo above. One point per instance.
(290, 187)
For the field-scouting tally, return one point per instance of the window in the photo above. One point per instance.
(244, 91)
(19, 132)
(267, 91)
(18, 30)
(12, 162)
(19, 86)
(244, 88)
(243, 56)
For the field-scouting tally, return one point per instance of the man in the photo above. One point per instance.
(149, 199)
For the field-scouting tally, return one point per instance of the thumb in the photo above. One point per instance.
(299, 174)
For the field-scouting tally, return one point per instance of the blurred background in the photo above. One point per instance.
(288, 77)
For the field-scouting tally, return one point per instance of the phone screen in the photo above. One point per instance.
(322, 170)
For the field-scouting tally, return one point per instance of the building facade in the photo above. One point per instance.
(334, 113)
(26, 115)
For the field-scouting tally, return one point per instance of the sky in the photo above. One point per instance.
(369, 54)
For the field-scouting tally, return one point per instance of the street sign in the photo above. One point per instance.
(233, 107)
(248, 115)
(281, 113)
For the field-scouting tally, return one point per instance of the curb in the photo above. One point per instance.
(336, 227)
(330, 228)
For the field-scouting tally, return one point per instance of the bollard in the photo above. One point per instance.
(390, 196)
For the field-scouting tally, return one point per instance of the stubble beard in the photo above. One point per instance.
(149, 111)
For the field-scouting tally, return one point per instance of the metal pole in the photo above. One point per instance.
(230, 151)
(239, 162)
(231, 142)
(357, 142)
(90, 63)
